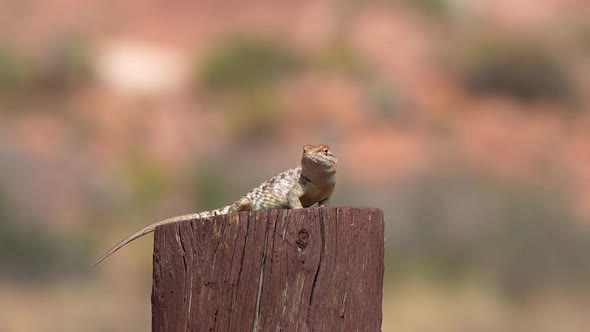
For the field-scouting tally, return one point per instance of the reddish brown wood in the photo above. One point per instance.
(316, 269)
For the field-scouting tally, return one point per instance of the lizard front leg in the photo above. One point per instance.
(324, 202)
(293, 197)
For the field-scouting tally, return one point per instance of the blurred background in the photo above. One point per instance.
(467, 122)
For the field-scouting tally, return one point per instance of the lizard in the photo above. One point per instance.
(310, 184)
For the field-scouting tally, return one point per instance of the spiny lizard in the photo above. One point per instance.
(310, 184)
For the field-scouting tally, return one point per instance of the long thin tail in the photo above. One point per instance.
(152, 227)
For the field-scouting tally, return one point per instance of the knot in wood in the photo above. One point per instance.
(302, 238)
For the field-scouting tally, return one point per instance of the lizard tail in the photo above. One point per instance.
(152, 227)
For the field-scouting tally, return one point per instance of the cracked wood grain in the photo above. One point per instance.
(316, 269)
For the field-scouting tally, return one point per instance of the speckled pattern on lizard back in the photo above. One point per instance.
(308, 185)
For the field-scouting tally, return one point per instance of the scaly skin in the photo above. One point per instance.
(310, 184)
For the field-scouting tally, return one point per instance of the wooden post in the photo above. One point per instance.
(315, 269)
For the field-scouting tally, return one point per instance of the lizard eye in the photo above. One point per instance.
(326, 152)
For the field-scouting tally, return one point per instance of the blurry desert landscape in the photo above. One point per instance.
(467, 122)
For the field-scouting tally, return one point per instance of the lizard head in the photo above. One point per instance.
(319, 157)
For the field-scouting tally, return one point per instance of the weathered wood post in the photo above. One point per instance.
(316, 269)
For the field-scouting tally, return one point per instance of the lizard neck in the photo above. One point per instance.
(318, 174)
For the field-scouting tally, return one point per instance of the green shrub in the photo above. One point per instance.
(244, 63)
(64, 67)
(339, 56)
(433, 8)
(518, 67)
(242, 75)
(68, 65)
(15, 69)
